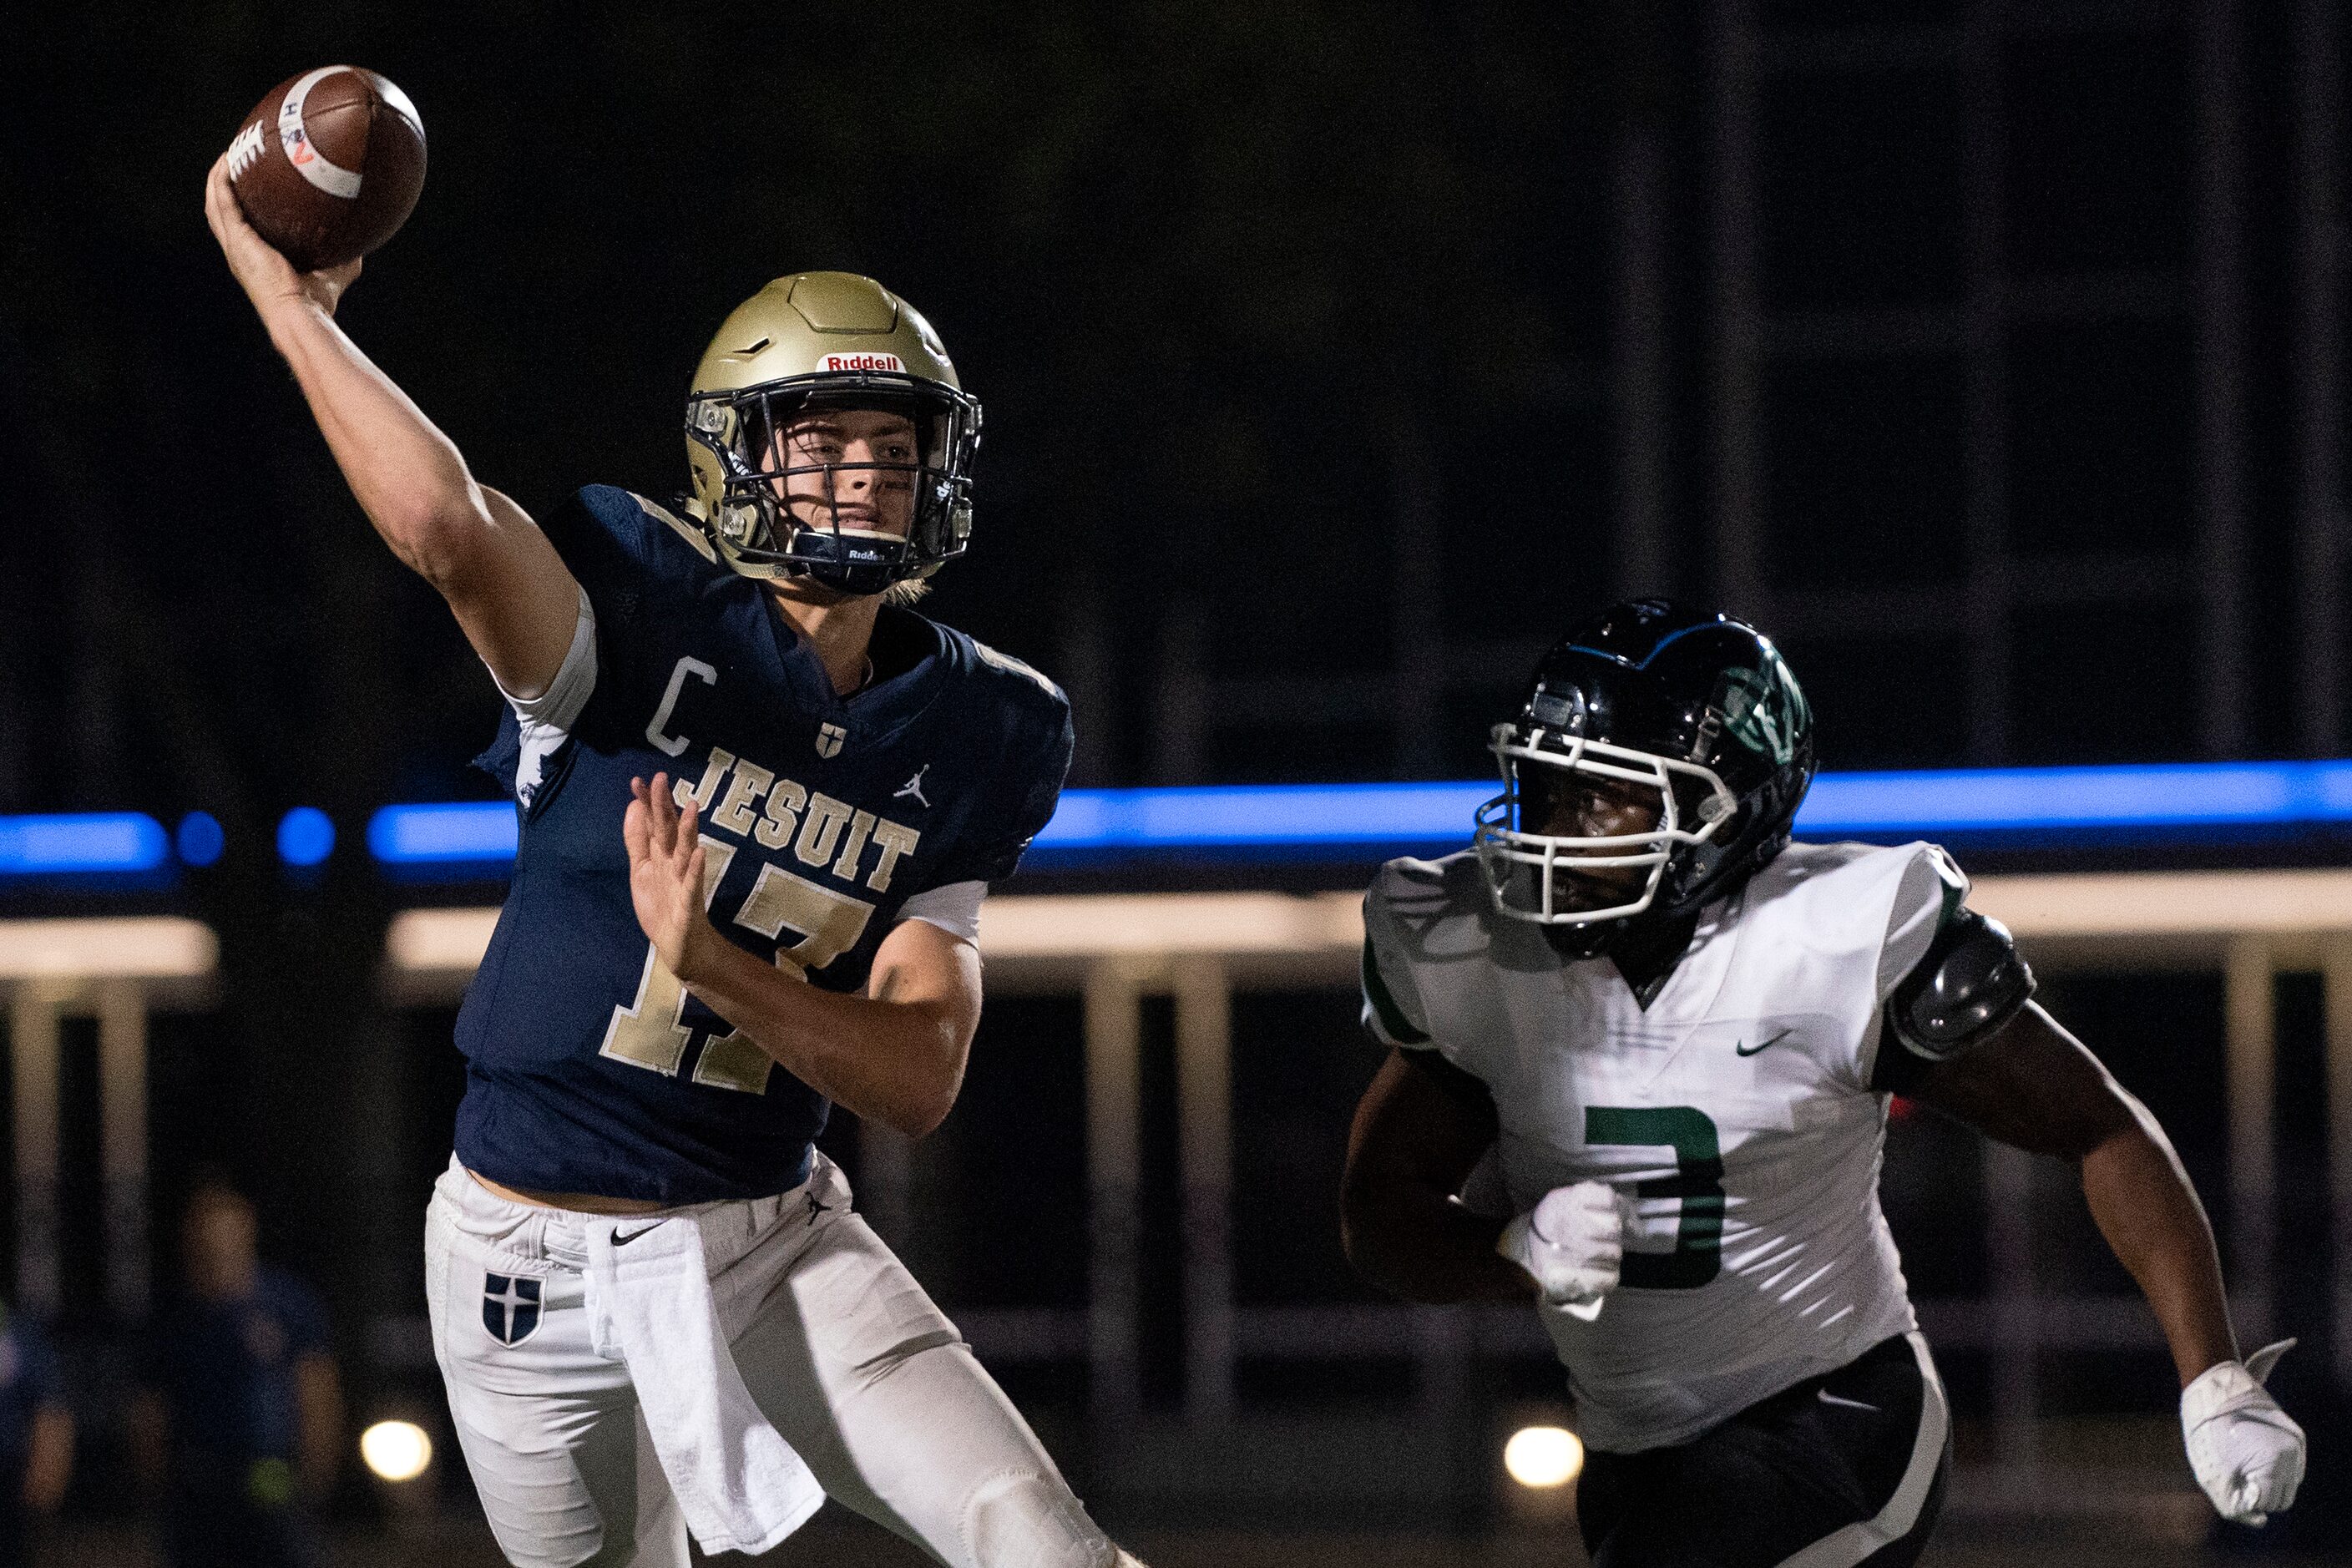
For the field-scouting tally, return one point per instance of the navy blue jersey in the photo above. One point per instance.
(589, 1068)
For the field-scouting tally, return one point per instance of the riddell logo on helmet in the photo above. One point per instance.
(863, 362)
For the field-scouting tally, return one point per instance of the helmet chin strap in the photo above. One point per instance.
(846, 576)
(857, 582)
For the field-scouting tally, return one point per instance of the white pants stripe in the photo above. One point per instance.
(1855, 1544)
(845, 1354)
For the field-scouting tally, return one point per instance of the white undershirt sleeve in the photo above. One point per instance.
(954, 908)
(547, 719)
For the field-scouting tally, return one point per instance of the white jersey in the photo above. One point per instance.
(1735, 1109)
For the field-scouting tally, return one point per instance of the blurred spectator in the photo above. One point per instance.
(239, 1415)
(37, 1432)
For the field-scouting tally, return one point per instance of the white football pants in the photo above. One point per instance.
(846, 1356)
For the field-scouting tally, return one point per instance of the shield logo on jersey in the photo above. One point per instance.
(829, 738)
(510, 1307)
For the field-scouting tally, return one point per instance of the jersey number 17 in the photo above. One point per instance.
(652, 1031)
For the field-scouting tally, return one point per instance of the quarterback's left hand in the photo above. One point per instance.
(665, 871)
(2247, 1452)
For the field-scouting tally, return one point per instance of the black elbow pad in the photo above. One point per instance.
(1972, 982)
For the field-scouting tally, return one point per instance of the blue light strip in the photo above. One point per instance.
(90, 843)
(1243, 817)
(1995, 800)
(1262, 813)
(441, 834)
(2196, 794)
(306, 836)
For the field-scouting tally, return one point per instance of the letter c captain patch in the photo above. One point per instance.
(510, 1307)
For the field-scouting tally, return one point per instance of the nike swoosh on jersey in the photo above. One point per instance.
(620, 1240)
(1743, 1049)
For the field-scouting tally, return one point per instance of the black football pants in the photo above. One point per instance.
(1841, 1471)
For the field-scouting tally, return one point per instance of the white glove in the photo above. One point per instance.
(1571, 1243)
(2246, 1451)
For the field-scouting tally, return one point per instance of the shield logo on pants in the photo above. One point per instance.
(509, 1306)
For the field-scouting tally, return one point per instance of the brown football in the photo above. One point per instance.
(328, 166)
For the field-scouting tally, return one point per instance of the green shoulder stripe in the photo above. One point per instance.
(1391, 1017)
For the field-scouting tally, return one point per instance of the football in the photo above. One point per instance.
(329, 165)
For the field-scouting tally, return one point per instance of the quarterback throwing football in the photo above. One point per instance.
(652, 1309)
(1653, 1040)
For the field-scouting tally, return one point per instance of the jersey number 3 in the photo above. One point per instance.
(1698, 1181)
(652, 1031)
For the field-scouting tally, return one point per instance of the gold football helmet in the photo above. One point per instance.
(777, 504)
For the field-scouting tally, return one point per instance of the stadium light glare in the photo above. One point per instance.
(396, 1451)
(1544, 1457)
(81, 843)
(306, 836)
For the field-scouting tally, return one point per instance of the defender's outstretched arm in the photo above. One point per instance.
(895, 1054)
(2035, 1086)
(510, 592)
(1420, 1128)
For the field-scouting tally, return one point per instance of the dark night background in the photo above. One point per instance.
(1303, 336)
(1334, 355)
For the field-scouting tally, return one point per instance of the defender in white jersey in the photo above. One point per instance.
(1642, 1046)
